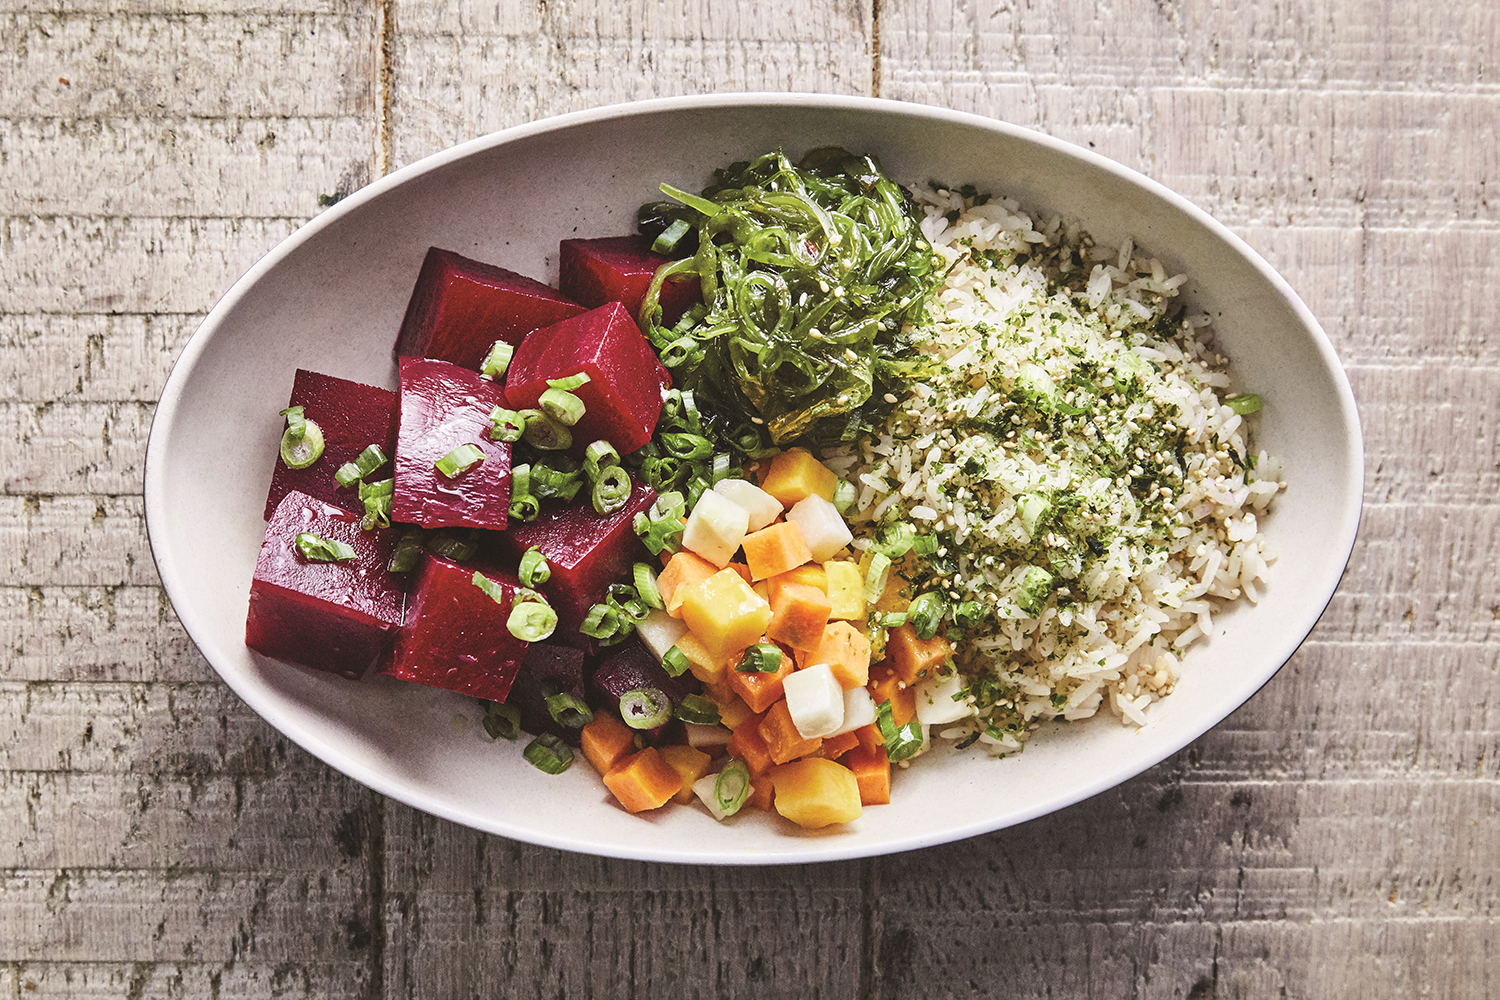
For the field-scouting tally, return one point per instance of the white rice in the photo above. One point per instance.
(964, 455)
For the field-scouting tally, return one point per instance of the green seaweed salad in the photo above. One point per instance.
(815, 278)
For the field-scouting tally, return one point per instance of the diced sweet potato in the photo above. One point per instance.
(643, 781)
(886, 685)
(683, 570)
(846, 590)
(814, 792)
(351, 416)
(606, 741)
(620, 269)
(335, 616)
(846, 650)
(795, 474)
(455, 636)
(762, 793)
(749, 746)
(622, 398)
(913, 657)
(799, 613)
(779, 548)
(760, 691)
(835, 747)
(460, 307)
(870, 737)
(782, 739)
(872, 772)
(690, 765)
(724, 613)
(443, 407)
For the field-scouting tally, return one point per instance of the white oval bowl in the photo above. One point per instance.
(331, 298)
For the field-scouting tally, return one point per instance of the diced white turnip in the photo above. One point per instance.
(859, 710)
(660, 632)
(762, 507)
(815, 700)
(935, 701)
(715, 528)
(822, 525)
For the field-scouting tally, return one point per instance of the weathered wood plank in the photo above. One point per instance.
(173, 980)
(94, 634)
(78, 540)
(205, 167)
(89, 358)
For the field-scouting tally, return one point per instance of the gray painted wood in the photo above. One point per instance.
(1335, 837)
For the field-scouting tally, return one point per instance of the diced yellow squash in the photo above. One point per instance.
(732, 708)
(846, 590)
(704, 665)
(815, 792)
(724, 614)
(811, 574)
(795, 475)
(691, 763)
(892, 599)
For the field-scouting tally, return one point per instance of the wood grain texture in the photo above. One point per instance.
(1334, 837)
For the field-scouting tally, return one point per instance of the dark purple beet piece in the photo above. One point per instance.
(351, 416)
(585, 551)
(622, 399)
(620, 269)
(460, 307)
(455, 635)
(444, 406)
(335, 616)
(548, 669)
(633, 667)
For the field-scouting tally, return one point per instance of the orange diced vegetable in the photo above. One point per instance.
(690, 764)
(762, 790)
(872, 772)
(886, 685)
(870, 737)
(781, 736)
(724, 613)
(845, 586)
(913, 657)
(776, 549)
(747, 745)
(607, 741)
(760, 691)
(683, 570)
(814, 792)
(732, 708)
(643, 781)
(799, 614)
(846, 650)
(795, 475)
(835, 747)
(742, 570)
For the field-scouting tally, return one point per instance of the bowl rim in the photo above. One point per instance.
(820, 850)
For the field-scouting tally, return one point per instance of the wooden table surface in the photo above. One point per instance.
(1335, 837)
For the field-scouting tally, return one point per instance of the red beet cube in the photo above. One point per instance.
(352, 417)
(455, 635)
(586, 553)
(623, 396)
(631, 668)
(620, 269)
(460, 307)
(548, 669)
(444, 406)
(334, 616)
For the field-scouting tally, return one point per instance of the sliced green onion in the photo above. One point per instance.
(698, 709)
(732, 789)
(549, 483)
(703, 205)
(895, 540)
(562, 406)
(377, 507)
(612, 490)
(459, 545)
(624, 599)
(645, 585)
(368, 461)
(527, 594)
(645, 708)
(569, 383)
(893, 620)
(687, 447)
(843, 496)
(316, 549)
(506, 425)
(545, 433)
(597, 457)
(296, 422)
(721, 468)
(675, 662)
(459, 460)
(302, 450)
(926, 545)
(408, 551)
(534, 570)
(877, 576)
(548, 753)
(670, 236)
(520, 480)
(603, 623)
(502, 721)
(968, 615)
(567, 709)
(531, 621)
(492, 590)
(1243, 404)
(524, 508)
(925, 613)
(764, 658)
(900, 741)
(661, 528)
(497, 361)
